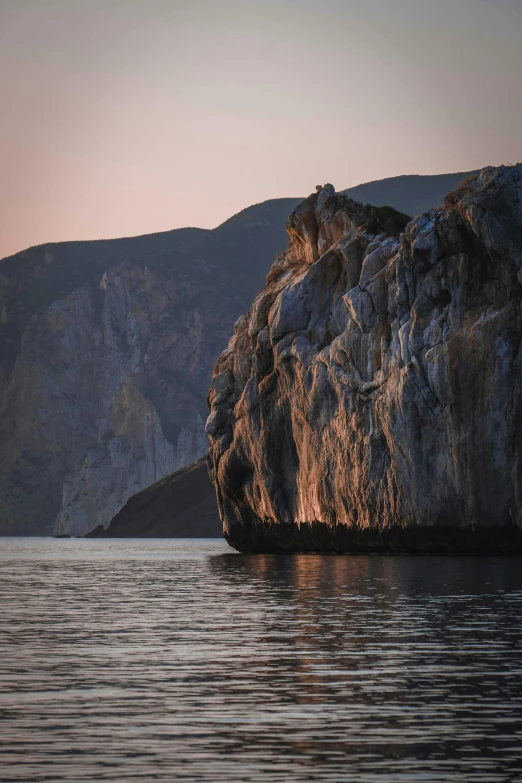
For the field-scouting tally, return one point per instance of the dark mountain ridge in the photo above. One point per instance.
(409, 193)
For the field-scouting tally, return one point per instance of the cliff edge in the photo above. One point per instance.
(370, 399)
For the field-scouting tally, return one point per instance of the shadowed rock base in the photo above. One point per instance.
(266, 538)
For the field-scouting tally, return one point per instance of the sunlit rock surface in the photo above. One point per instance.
(370, 400)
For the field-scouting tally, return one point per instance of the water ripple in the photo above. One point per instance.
(180, 660)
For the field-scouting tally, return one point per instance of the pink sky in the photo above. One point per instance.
(129, 117)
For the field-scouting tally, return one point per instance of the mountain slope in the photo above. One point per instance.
(411, 193)
(182, 505)
(106, 352)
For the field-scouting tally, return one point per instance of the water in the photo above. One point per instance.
(181, 660)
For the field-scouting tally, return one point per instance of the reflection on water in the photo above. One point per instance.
(181, 660)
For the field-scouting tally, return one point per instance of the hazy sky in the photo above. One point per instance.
(121, 117)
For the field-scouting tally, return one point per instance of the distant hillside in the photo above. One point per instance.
(412, 194)
(106, 351)
(33, 279)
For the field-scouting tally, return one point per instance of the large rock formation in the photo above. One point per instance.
(106, 353)
(371, 398)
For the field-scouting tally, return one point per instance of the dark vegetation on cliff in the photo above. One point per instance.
(385, 220)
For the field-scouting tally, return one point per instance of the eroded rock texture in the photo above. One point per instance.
(370, 400)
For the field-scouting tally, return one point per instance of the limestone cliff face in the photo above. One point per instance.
(89, 404)
(371, 398)
(128, 353)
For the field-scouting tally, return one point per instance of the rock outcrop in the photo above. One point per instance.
(371, 398)
(181, 505)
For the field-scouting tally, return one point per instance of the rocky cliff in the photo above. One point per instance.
(370, 400)
(106, 354)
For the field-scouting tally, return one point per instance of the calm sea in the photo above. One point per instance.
(154, 660)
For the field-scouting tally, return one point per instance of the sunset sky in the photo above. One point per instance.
(122, 117)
